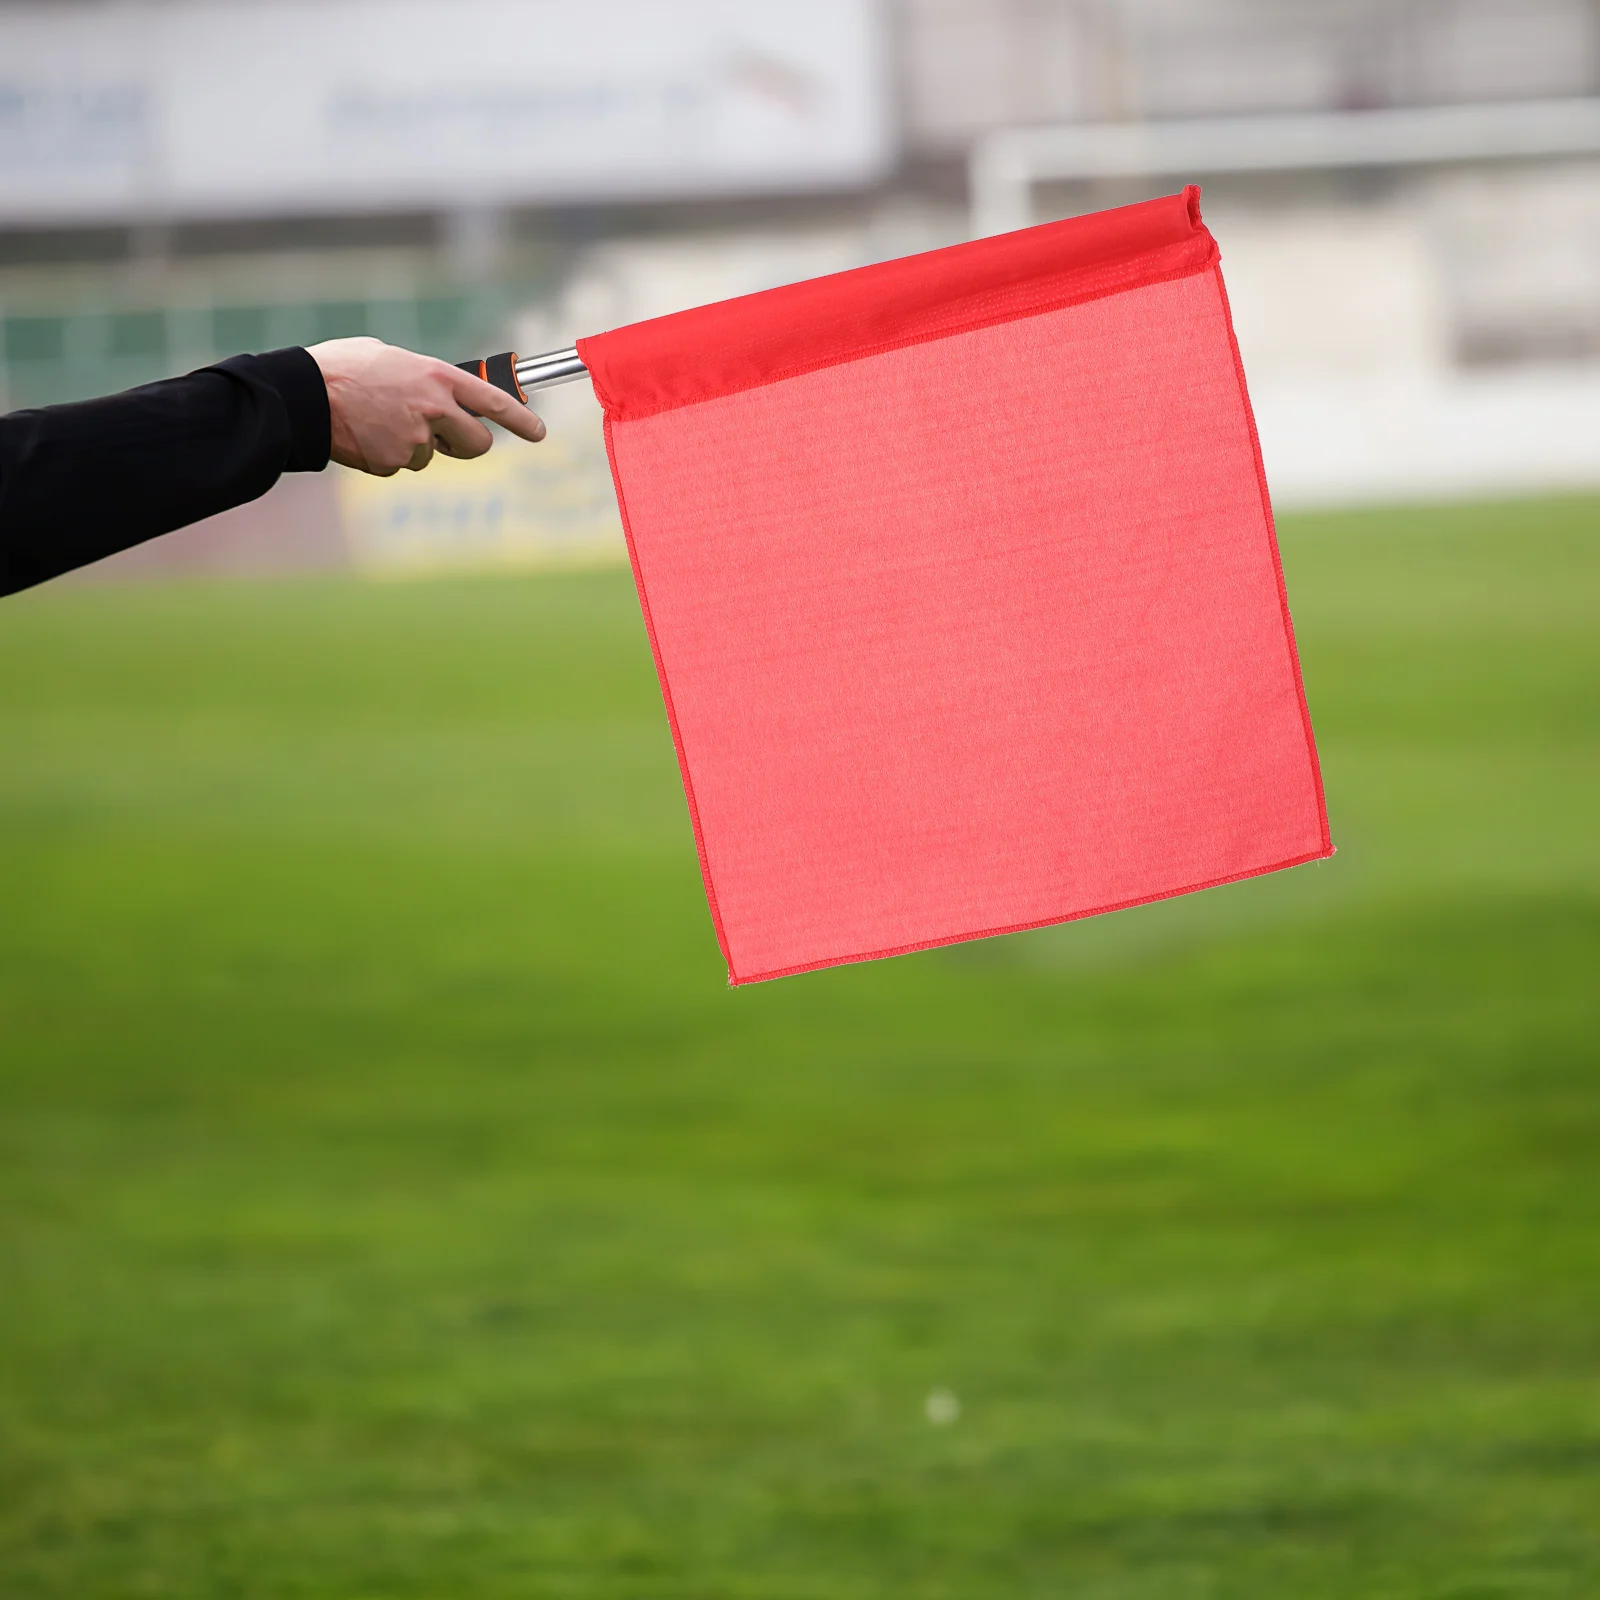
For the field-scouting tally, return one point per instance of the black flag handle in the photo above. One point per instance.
(519, 376)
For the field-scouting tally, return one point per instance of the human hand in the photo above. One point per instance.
(392, 408)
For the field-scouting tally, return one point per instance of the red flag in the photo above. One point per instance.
(963, 589)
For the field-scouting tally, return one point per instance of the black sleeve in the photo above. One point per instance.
(78, 482)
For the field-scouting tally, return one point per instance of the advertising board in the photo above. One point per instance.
(193, 109)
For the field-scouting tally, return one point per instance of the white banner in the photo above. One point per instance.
(190, 109)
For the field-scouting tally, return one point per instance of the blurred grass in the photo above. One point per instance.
(394, 1201)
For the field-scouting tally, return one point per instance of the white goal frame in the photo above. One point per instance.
(1005, 165)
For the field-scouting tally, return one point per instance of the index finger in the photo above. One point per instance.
(495, 404)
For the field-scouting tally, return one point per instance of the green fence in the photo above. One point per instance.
(51, 352)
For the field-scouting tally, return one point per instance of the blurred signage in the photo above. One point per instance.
(187, 108)
(520, 506)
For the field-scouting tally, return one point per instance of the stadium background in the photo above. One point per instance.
(392, 1199)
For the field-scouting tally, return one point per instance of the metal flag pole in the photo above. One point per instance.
(546, 371)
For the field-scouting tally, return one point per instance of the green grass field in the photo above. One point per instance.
(395, 1202)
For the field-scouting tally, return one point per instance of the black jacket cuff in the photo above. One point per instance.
(296, 376)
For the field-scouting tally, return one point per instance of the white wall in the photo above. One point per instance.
(1352, 321)
(971, 65)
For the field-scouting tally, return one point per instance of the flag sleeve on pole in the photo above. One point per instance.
(962, 585)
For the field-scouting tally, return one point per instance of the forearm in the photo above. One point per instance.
(79, 482)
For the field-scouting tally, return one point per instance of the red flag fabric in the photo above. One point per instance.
(963, 589)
